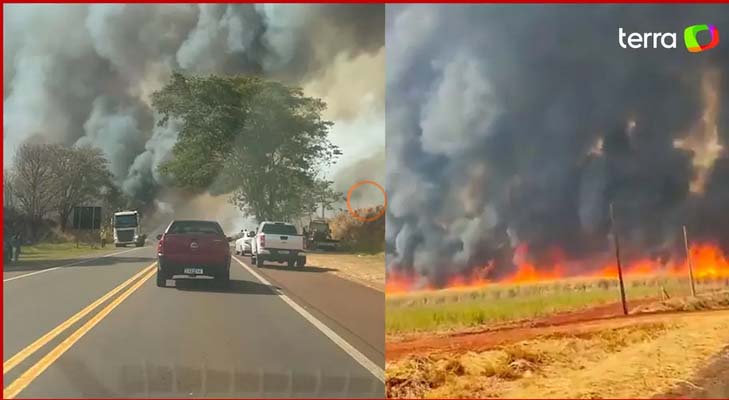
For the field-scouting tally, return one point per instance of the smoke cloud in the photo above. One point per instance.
(517, 125)
(83, 74)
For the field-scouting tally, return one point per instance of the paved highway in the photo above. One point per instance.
(101, 328)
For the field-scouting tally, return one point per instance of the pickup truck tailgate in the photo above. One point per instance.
(283, 242)
(195, 249)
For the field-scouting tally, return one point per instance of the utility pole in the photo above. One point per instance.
(617, 257)
(688, 260)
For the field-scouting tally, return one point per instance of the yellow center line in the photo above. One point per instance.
(33, 372)
(43, 340)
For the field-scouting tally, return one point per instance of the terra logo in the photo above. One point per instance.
(653, 40)
(692, 44)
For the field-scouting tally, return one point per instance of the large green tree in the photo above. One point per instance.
(261, 140)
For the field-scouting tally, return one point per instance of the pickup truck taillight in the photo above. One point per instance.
(262, 241)
(161, 246)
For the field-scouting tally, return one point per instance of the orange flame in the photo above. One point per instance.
(398, 284)
(707, 259)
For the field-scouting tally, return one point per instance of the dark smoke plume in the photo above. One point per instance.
(522, 123)
(83, 74)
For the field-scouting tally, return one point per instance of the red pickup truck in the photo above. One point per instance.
(193, 248)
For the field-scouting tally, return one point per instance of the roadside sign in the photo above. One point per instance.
(87, 218)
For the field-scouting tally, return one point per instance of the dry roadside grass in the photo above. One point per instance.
(641, 360)
(640, 369)
(60, 251)
(712, 382)
(703, 301)
(367, 269)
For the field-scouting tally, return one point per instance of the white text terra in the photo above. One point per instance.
(646, 40)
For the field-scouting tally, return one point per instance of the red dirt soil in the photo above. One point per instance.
(595, 318)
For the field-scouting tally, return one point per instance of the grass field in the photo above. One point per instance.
(57, 251)
(454, 309)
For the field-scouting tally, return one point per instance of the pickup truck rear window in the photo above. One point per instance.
(279, 229)
(195, 227)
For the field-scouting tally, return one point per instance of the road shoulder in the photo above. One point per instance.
(364, 269)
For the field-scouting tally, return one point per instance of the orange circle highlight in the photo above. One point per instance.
(349, 204)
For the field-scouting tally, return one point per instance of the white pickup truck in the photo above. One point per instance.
(278, 242)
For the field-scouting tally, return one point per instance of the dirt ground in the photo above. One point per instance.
(366, 269)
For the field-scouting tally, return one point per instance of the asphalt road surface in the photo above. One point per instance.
(102, 328)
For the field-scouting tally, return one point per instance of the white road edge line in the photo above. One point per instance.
(365, 362)
(69, 265)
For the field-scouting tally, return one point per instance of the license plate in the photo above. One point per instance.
(194, 271)
(283, 252)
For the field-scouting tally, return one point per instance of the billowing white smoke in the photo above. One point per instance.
(282, 24)
(112, 130)
(218, 34)
(461, 103)
(144, 170)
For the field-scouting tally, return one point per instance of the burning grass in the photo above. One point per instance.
(635, 361)
(708, 260)
(453, 309)
(532, 291)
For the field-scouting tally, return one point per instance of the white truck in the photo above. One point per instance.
(278, 242)
(127, 230)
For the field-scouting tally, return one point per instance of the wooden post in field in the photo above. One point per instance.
(617, 257)
(688, 260)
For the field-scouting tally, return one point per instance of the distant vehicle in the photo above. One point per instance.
(127, 230)
(319, 236)
(243, 245)
(193, 248)
(278, 242)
